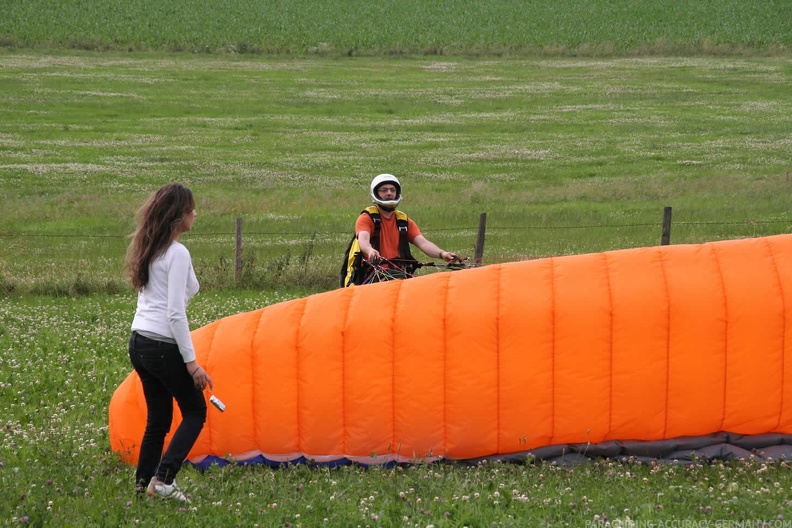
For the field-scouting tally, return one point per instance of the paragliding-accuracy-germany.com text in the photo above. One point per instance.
(690, 523)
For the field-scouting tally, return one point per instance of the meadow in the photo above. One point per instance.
(571, 124)
(564, 155)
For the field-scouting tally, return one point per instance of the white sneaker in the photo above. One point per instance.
(157, 488)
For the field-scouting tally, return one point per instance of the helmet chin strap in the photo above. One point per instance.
(387, 205)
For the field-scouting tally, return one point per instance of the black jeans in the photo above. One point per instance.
(165, 378)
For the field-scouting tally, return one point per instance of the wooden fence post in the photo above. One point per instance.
(665, 239)
(479, 251)
(238, 251)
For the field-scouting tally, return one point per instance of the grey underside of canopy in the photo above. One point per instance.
(680, 450)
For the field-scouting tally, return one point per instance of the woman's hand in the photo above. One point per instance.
(200, 377)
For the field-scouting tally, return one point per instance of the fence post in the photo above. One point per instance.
(479, 251)
(665, 239)
(238, 251)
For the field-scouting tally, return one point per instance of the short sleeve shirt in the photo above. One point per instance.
(389, 233)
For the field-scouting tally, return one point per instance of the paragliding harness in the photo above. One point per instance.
(354, 268)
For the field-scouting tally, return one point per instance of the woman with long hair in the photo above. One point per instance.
(160, 349)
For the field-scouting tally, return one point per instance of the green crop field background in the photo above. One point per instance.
(402, 26)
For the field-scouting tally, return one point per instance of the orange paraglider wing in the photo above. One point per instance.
(647, 344)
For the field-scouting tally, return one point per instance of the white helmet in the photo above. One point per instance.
(388, 205)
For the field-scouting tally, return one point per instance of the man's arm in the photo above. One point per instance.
(431, 249)
(370, 254)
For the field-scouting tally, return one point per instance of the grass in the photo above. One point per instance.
(62, 357)
(564, 155)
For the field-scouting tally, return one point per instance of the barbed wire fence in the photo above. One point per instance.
(239, 247)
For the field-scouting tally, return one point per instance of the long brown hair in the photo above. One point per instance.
(158, 223)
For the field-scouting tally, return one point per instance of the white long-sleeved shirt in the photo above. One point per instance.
(162, 305)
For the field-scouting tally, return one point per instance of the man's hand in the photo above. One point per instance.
(448, 256)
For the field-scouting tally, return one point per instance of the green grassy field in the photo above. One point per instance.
(564, 155)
